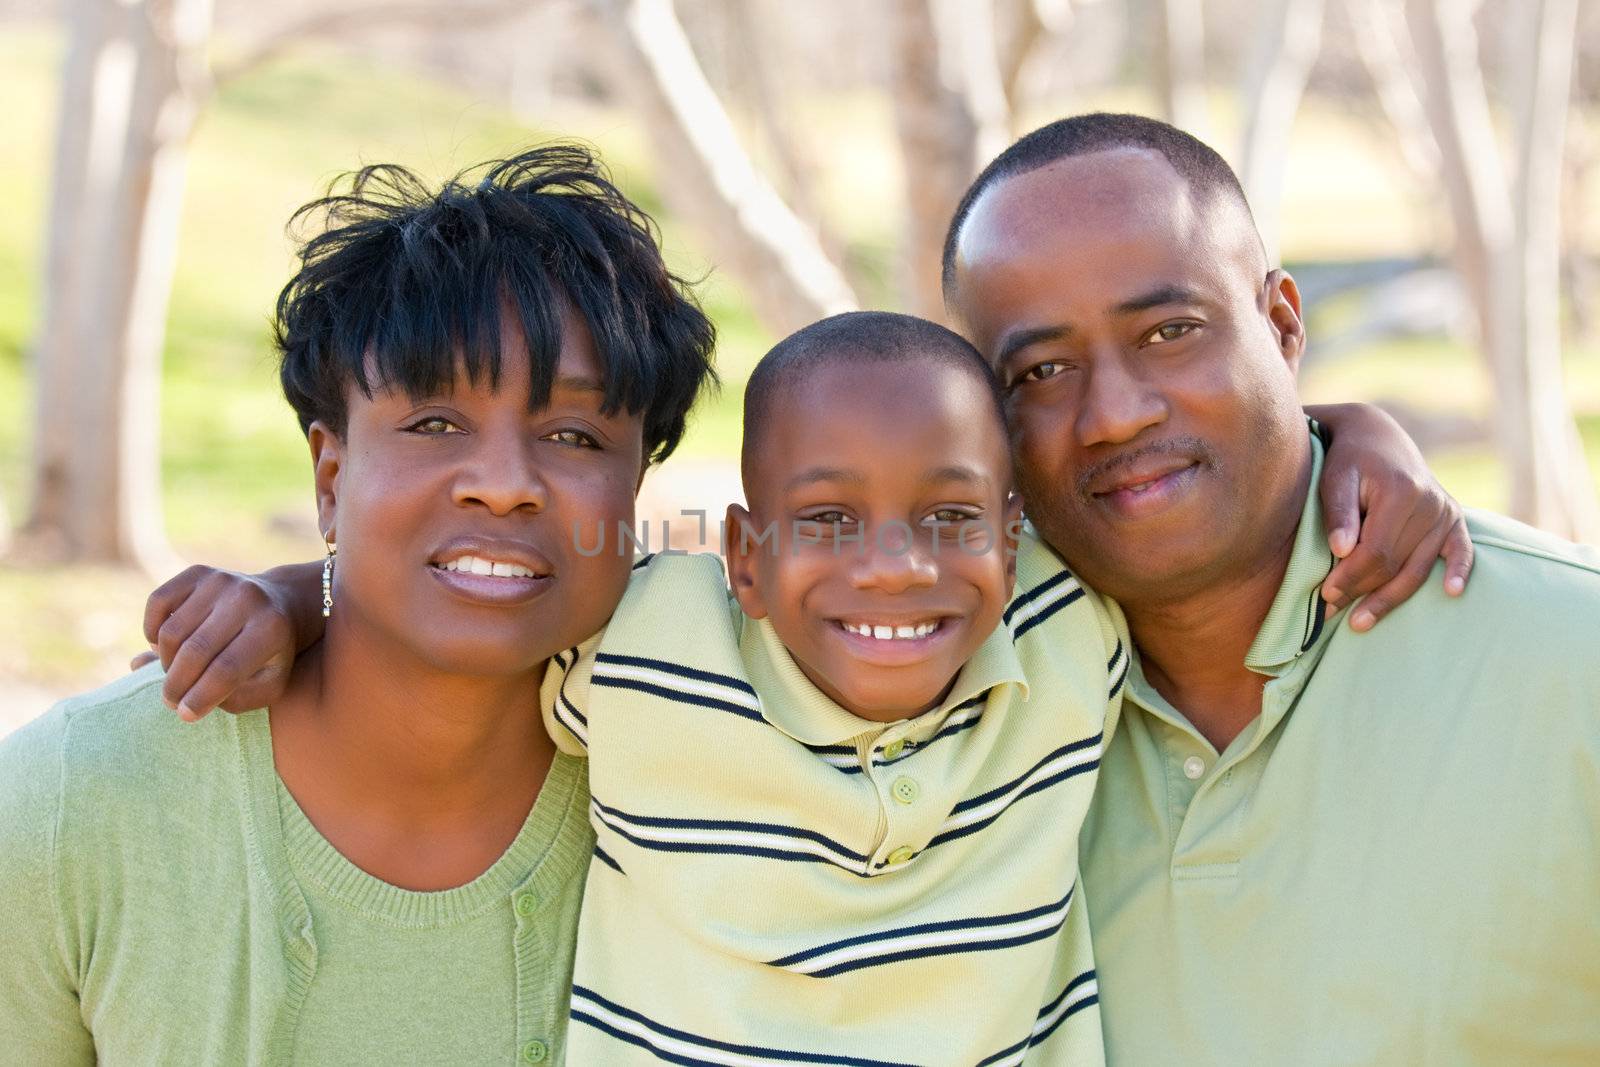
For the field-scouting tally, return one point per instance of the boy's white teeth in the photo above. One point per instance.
(891, 633)
(479, 565)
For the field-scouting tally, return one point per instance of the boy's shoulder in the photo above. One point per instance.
(686, 588)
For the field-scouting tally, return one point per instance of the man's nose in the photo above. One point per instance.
(1118, 403)
(502, 473)
(891, 560)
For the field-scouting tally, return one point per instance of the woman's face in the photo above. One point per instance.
(458, 517)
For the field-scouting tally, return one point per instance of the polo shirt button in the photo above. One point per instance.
(1193, 768)
(904, 790)
(526, 904)
(893, 749)
(535, 1052)
(899, 855)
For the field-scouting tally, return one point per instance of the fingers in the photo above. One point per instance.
(142, 659)
(1391, 532)
(204, 649)
(1410, 577)
(1341, 510)
(235, 678)
(168, 597)
(1458, 556)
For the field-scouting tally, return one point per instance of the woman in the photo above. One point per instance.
(386, 867)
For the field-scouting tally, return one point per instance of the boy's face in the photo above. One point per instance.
(887, 486)
(423, 496)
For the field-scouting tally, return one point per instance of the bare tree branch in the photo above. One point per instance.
(1288, 39)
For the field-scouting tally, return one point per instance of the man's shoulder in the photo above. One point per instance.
(1507, 544)
(1530, 579)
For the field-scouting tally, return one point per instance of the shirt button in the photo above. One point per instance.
(904, 790)
(899, 855)
(893, 749)
(526, 904)
(1193, 768)
(535, 1052)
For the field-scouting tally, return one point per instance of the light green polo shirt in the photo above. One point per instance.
(165, 901)
(779, 881)
(1398, 863)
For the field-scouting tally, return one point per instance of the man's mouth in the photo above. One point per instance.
(1146, 488)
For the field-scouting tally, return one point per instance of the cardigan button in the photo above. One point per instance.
(535, 1051)
(526, 904)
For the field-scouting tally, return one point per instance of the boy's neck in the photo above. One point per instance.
(420, 778)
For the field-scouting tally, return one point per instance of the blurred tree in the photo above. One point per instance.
(1180, 67)
(130, 92)
(1288, 36)
(1508, 240)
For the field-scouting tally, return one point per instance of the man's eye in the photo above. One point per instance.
(1170, 331)
(576, 438)
(434, 424)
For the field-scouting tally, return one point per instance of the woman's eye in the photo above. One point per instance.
(434, 424)
(1169, 332)
(576, 438)
(1041, 371)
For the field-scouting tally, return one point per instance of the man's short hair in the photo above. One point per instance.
(402, 285)
(1206, 172)
(860, 337)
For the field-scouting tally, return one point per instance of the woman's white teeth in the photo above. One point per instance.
(891, 633)
(479, 565)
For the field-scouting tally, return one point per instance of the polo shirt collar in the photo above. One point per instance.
(1294, 624)
(790, 701)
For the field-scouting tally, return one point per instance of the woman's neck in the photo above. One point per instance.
(419, 777)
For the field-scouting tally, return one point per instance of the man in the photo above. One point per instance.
(1310, 844)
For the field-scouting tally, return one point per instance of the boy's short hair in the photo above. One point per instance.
(861, 337)
(402, 284)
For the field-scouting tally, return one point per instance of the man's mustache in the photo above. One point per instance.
(1185, 447)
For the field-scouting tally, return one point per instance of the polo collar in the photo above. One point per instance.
(1294, 624)
(790, 701)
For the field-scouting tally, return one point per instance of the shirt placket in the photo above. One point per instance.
(897, 792)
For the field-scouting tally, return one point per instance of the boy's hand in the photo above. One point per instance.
(228, 640)
(1388, 518)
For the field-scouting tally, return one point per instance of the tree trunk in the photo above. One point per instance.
(1288, 37)
(952, 116)
(709, 177)
(1506, 248)
(1180, 63)
(130, 85)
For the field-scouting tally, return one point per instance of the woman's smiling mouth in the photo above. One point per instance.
(485, 573)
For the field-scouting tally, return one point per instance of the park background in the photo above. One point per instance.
(1429, 170)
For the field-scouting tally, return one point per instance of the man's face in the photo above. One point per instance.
(887, 486)
(455, 514)
(1149, 359)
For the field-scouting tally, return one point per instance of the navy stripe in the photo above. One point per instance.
(644, 561)
(605, 857)
(705, 1042)
(673, 694)
(922, 928)
(912, 747)
(1048, 613)
(1116, 686)
(664, 823)
(1001, 790)
(937, 950)
(1039, 1038)
(1022, 600)
(1039, 786)
(676, 668)
(1112, 662)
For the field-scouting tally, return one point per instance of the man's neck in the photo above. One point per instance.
(418, 777)
(1192, 649)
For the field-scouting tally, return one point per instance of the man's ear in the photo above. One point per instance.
(327, 460)
(1283, 316)
(1010, 533)
(742, 545)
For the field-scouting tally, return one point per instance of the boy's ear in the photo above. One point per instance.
(740, 549)
(327, 460)
(1012, 532)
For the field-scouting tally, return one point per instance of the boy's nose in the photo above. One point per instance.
(891, 560)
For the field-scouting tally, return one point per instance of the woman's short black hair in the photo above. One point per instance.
(402, 284)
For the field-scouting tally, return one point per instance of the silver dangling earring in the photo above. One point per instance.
(327, 580)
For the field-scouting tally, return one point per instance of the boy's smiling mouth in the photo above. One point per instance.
(892, 631)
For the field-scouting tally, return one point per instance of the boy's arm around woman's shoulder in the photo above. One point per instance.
(41, 1023)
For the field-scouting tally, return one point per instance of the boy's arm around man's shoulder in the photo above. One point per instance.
(41, 1023)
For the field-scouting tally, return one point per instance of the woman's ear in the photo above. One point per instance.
(327, 460)
(741, 549)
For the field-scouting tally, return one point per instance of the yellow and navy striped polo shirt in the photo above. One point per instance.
(777, 881)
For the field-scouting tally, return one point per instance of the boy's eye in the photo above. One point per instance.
(434, 424)
(576, 438)
(1169, 331)
(830, 518)
(945, 516)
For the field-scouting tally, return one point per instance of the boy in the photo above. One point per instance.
(839, 825)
